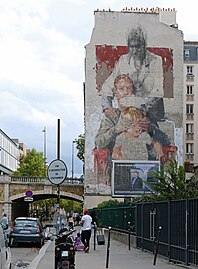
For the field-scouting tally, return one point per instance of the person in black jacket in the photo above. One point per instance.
(136, 181)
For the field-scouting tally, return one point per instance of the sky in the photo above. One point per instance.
(42, 52)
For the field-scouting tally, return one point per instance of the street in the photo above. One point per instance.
(23, 255)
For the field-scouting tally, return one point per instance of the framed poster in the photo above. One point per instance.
(132, 178)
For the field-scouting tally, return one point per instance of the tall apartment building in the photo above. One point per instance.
(10, 153)
(190, 104)
(133, 77)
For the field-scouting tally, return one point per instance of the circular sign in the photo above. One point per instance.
(57, 172)
(28, 193)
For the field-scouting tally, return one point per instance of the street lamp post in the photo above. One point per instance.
(72, 164)
(44, 149)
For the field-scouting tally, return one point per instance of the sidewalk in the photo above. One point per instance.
(119, 257)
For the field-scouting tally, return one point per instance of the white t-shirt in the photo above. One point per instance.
(87, 222)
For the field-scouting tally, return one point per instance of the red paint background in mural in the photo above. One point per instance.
(108, 55)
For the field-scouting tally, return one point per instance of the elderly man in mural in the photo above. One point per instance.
(145, 66)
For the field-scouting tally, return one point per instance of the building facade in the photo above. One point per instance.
(190, 104)
(9, 154)
(133, 100)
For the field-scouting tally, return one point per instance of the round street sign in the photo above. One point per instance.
(57, 172)
(28, 193)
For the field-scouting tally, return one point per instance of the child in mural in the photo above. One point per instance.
(135, 141)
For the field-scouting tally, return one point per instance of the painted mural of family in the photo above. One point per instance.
(132, 103)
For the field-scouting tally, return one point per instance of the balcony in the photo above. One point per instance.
(189, 136)
(190, 77)
(189, 156)
(189, 97)
(190, 116)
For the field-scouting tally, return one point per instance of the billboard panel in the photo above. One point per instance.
(131, 178)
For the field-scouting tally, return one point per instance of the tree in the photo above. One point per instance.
(171, 185)
(31, 165)
(110, 203)
(80, 145)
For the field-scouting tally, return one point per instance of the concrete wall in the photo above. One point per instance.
(121, 237)
(151, 101)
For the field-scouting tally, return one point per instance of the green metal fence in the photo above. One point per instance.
(118, 218)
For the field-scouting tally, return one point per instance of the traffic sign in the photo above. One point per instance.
(57, 172)
(28, 193)
(28, 199)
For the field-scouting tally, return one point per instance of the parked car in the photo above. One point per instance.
(5, 253)
(26, 230)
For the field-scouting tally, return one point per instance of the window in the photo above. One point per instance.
(189, 148)
(189, 128)
(189, 89)
(187, 53)
(189, 70)
(189, 109)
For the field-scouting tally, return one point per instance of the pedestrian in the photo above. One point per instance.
(86, 222)
(70, 222)
(4, 222)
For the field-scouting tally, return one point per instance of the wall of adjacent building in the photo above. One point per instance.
(9, 154)
(190, 101)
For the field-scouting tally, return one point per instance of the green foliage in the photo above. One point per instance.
(31, 165)
(80, 145)
(171, 185)
(68, 205)
(110, 203)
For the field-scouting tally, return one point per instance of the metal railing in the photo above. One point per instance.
(118, 218)
(28, 179)
(177, 220)
(179, 224)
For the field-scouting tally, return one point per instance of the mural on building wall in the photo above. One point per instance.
(132, 82)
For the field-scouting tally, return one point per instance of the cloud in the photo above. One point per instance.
(40, 66)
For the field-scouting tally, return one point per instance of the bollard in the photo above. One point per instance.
(129, 234)
(108, 249)
(157, 245)
(94, 236)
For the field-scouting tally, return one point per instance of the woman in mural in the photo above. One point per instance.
(110, 127)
